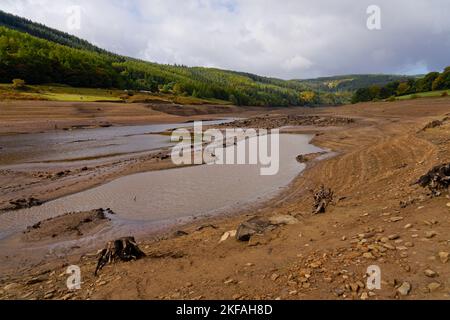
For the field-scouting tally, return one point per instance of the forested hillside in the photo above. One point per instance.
(433, 81)
(41, 55)
(351, 82)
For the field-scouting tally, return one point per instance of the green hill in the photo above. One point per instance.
(351, 82)
(41, 55)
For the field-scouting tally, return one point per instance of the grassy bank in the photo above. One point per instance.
(66, 93)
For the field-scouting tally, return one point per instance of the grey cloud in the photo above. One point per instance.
(288, 39)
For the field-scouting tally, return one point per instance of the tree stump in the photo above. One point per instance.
(123, 249)
(437, 179)
(322, 198)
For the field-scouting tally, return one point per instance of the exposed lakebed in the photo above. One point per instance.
(149, 201)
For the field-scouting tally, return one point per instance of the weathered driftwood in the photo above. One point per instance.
(322, 198)
(437, 179)
(123, 249)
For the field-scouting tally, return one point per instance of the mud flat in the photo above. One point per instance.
(147, 201)
(379, 217)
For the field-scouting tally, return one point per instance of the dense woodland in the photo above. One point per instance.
(433, 81)
(41, 55)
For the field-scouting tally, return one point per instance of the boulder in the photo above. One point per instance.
(283, 219)
(251, 227)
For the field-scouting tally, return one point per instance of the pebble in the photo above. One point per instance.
(274, 277)
(443, 256)
(393, 237)
(433, 286)
(368, 255)
(448, 204)
(430, 234)
(396, 219)
(364, 296)
(10, 286)
(404, 289)
(408, 226)
(430, 273)
(67, 296)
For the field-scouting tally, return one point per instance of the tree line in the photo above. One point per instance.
(39, 61)
(433, 81)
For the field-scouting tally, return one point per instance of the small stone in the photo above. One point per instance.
(354, 287)
(67, 296)
(102, 283)
(283, 219)
(409, 244)
(430, 273)
(10, 286)
(364, 296)
(396, 219)
(394, 237)
(430, 234)
(339, 292)
(293, 292)
(388, 246)
(443, 256)
(408, 226)
(368, 255)
(230, 281)
(274, 277)
(404, 289)
(448, 204)
(433, 286)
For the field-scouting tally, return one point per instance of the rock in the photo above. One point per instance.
(274, 277)
(339, 292)
(389, 246)
(258, 239)
(443, 256)
(430, 234)
(393, 237)
(448, 204)
(364, 296)
(10, 286)
(283, 219)
(404, 289)
(48, 296)
(430, 273)
(36, 280)
(354, 287)
(396, 219)
(228, 234)
(434, 286)
(67, 296)
(368, 255)
(180, 233)
(230, 281)
(408, 226)
(251, 227)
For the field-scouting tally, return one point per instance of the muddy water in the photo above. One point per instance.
(84, 144)
(148, 201)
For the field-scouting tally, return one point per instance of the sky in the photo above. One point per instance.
(289, 39)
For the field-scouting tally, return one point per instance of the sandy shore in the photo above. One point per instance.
(378, 218)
